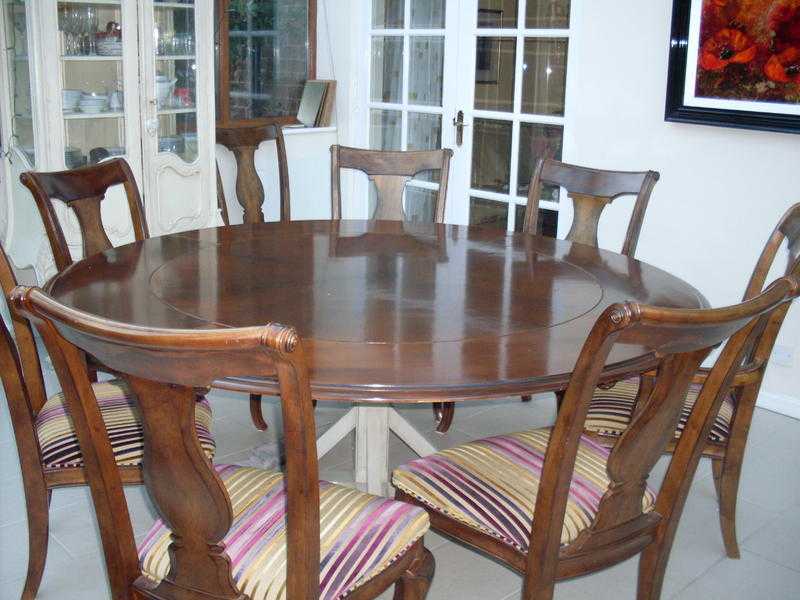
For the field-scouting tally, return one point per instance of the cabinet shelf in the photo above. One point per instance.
(89, 58)
(100, 115)
(107, 2)
(172, 5)
(175, 57)
(177, 111)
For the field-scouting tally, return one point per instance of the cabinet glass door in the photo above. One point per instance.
(91, 39)
(178, 107)
(176, 78)
(19, 77)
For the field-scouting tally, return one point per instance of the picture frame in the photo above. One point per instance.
(731, 75)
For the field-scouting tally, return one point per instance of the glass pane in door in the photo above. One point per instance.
(547, 14)
(425, 70)
(385, 129)
(427, 14)
(424, 133)
(388, 14)
(546, 225)
(19, 77)
(488, 213)
(92, 99)
(386, 81)
(496, 14)
(538, 141)
(544, 76)
(491, 155)
(420, 204)
(494, 73)
(176, 79)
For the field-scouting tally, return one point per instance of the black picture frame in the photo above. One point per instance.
(677, 111)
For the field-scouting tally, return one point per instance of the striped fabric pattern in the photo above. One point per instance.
(610, 411)
(360, 535)
(59, 442)
(491, 484)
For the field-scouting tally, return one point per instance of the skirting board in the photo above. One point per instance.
(780, 403)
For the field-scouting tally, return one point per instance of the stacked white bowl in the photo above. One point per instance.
(70, 100)
(109, 46)
(93, 103)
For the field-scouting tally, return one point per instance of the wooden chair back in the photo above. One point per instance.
(390, 171)
(83, 190)
(164, 368)
(591, 190)
(684, 338)
(243, 142)
(24, 347)
(787, 230)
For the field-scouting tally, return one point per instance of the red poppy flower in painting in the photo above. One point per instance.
(725, 47)
(784, 23)
(784, 67)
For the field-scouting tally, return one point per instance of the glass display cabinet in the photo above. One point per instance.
(111, 78)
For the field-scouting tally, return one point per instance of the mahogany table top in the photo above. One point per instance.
(387, 310)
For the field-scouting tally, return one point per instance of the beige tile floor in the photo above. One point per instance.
(769, 515)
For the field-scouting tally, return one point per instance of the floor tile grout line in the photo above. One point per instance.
(771, 560)
(64, 547)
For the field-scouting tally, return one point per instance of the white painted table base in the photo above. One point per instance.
(372, 424)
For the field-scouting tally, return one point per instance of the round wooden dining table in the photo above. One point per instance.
(389, 312)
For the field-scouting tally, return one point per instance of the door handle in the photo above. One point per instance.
(458, 123)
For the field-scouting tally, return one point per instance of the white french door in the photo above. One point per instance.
(486, 78)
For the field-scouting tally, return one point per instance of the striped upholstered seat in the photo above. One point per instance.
(491, 484)
(610, 411)
(59, 442)
(360, 535)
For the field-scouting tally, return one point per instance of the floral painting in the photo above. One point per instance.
(749, 50)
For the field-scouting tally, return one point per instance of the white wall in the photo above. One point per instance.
(721, 190)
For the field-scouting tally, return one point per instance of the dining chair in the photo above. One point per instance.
(83, 190)
(226, 531)
(243, 142)
(611, 410)
(591, 190)
(49, 451)
(390, 171)
(552, 503)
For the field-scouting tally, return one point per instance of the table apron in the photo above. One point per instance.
(427, 395)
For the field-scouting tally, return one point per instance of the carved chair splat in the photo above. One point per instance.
(164, 367)
(243, 142)
(628, 519)
(390, 171)
(591, 191)
(83, 190)
(726, 454)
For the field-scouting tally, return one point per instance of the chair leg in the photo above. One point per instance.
(726, 477)
(443, 412)
(525, 398)
(652, 566)
(38, 505)
(255, 412)
(416, 581)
